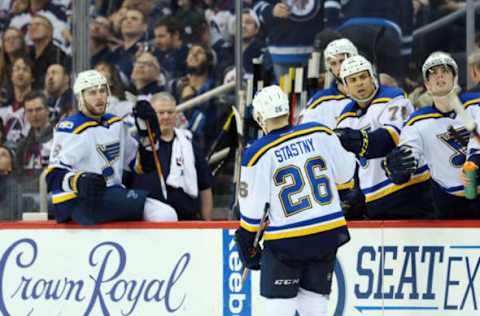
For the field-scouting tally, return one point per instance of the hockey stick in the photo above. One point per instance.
(158, 167)
(253, 251)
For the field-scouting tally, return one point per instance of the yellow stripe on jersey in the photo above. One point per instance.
(393, 133)
(63, 197)
(346, 115)
(468, 103)
(369, 197)
(347, 185)
(325, 98)
(49, 170)
(114, 120)
(302, 231)
(381, 100)
(249, 227)
(423, 117)
(84, 126)
(282, 139)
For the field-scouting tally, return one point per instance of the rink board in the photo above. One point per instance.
(193, 269)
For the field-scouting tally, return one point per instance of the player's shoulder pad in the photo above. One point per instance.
(260, 147)
(386, 94)
(350, 110)
(71, 123)
(428, 112)
(322, 96)
(470, 98)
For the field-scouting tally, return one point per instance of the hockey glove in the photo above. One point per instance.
(400, 164)
(88, 185)
(353, 140)
(143, 113)
(250, 256)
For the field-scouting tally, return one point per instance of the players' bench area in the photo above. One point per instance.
(193, 268)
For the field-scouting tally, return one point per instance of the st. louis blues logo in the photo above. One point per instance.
(456, 139)
(110, 153)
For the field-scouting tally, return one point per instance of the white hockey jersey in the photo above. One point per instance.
(325, 107)
(426, 132)
(387, 110)
(81, 143)
(295, 170)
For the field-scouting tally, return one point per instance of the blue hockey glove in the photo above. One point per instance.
(400, 164)
(88, 185)
(250, 256)
(353, 140)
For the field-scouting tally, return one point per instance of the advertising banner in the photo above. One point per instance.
(403, 271)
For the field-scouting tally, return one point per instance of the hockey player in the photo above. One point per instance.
(90, 151)
(326, 105)
(293, 169)
(369, 127)
(438, 135)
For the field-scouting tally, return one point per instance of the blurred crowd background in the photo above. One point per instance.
(186, 47)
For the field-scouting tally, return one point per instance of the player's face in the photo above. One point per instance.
(95, 99)
(166, 114)
(334, 64)
(440, 80)
(360, 85)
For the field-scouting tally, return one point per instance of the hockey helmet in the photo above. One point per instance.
(339, 46)
(436, 59)
(354, 65)
(268, 103)
(86, 80)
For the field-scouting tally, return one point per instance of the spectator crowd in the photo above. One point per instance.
(170, 51)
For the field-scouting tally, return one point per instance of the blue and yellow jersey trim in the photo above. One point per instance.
(394, 132)
(346, 115)
(257, 150)
(78, 123)
(62, 197)
(346, 186)
(457, 190)
(422, 117)
(249, 224)
(322, 99)
(307, 227)
(387, 187)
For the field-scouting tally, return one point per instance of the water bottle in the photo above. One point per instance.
(470, 171)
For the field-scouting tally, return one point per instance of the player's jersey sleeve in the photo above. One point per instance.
(254, 192)
(343, 163)
(411, 137)
(130, 148)
(67, 150)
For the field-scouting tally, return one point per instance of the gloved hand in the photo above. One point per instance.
(400, 164)
(88, 185)
(353, 140)
(249, 255)
(143, 112)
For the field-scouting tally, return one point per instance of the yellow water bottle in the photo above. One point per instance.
(470, 171)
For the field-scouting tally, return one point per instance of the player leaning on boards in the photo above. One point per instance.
(437, 134)
(294, 170)
(91, 150)
(326, 105)
(370, 127)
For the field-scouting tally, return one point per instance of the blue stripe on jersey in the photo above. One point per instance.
(457, 191)
(261, 146)
(423, 114)
(249, 224)
(308, 227)
(79, 122)
(469, 98)
(251, 221)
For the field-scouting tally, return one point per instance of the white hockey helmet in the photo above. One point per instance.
(268, 103)
(436, 59)
(340, 46)
(354, 65)
(86, 80)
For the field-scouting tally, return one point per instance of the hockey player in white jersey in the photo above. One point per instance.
(91, 150)
(437, 134)
(370, 127)
(295, 170)
(326, 105)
